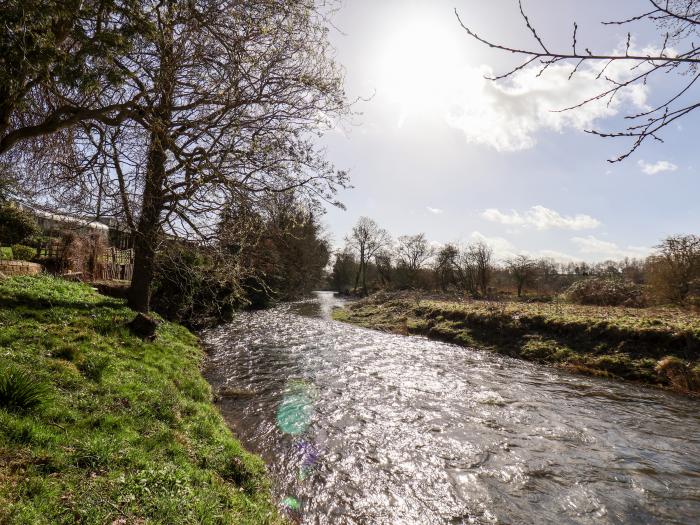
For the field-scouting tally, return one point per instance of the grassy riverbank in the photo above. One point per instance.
(97, 426)
(659, 346)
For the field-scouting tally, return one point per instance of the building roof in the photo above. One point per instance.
(67, 219)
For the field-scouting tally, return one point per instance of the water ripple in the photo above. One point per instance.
(363, 427)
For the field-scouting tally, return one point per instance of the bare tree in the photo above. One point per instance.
(466, 273)
(229, 95)
(677, 21)
(367, 240)
(475, 268)
(481, 256)
(412, 252)
(523, 270)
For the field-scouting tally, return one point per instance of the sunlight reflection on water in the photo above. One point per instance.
(360, 426)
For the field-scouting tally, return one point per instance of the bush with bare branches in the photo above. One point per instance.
(599, 291)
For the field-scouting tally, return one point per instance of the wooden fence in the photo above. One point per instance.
(109, 265)
(116, 265)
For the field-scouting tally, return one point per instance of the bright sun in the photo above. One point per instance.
(419, 62)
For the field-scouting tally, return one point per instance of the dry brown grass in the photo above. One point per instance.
(659, 345)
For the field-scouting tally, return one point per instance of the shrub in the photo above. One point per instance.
(23, 253)
(673, 271)
(20, 390)
(195, 288)
(605, 292)
(693, 297)
(80, 252)
(16, 225)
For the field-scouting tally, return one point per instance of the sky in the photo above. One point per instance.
(437, 149)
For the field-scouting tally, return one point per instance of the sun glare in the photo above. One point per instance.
(418, 63)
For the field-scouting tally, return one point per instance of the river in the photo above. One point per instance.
(359, 426)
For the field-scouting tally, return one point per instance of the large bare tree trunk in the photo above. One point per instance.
(148, 231)
(149, 228)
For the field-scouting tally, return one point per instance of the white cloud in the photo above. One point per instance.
(557, 256)
(591, 245)
(508, 115)
(657, 167)
(494, 215)
(503, 249)
(435, 211)
(436, 245)
(542, 218)
(589, 248)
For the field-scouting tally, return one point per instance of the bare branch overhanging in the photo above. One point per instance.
(678, 20)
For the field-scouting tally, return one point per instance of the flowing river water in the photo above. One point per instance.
(359, 426)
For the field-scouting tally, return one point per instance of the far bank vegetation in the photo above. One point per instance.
(371, 261)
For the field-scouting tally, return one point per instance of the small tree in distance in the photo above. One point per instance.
(367, 239)
(446, 262)
(523, 270)
(674, 271)
(344, 270)
(412, 253)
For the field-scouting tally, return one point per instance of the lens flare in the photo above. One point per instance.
(295, 412)
(291, 503)
(309, 459)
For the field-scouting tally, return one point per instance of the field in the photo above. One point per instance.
(659, 346)
(97, 426)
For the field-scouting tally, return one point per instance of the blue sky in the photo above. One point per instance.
(439, 150)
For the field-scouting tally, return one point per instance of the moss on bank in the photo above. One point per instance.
(125, 431)
(659, 346)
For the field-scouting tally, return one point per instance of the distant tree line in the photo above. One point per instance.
(371, 260)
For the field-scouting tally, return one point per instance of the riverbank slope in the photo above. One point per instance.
(98, 426)
(658, 346)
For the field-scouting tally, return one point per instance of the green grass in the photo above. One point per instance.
(628, 343)
(121, 431)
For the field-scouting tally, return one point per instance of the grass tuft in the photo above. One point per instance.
(94, 367)
(20, 391)
(66, 352)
